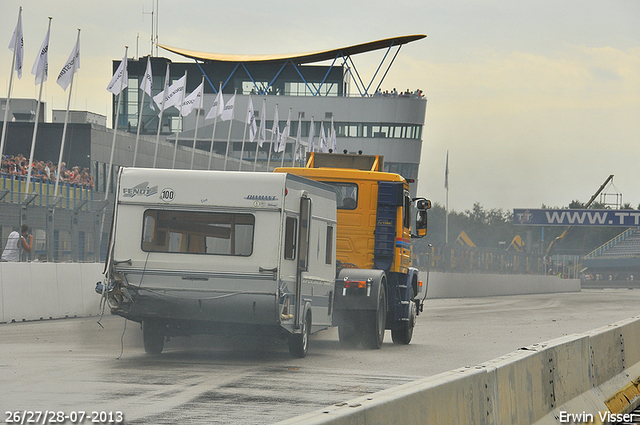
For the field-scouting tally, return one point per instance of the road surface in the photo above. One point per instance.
(74, 365)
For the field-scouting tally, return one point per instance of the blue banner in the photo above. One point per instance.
(571, 217)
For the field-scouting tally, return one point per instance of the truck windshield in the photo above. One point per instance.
(196, 232)
(346, 195)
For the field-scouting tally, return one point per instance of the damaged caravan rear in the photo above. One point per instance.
(195, 252)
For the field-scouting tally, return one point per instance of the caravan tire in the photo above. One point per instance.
(299, 343)
(153, 333)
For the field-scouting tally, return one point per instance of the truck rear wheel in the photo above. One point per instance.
(375, 322)
(153, 333)
(299, 343)
(347, 333)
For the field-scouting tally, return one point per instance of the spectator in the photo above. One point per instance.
(16, 243)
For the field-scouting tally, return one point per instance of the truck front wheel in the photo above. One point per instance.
(404, 334)
(375, 322)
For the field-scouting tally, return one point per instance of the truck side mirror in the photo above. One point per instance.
(423, 204)
(421, 223)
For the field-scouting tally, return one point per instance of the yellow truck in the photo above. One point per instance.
(376, 286)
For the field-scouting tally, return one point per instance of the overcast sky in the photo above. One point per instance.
(537, 102)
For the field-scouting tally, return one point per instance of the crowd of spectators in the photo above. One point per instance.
(394, 93)
(17, 167)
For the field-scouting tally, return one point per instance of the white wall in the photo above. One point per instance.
(461, 285)
(35, 291)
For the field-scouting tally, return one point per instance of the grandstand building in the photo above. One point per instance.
(318, 87)
(618, 259)
(364, 119)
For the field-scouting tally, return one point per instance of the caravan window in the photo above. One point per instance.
(196, 232)
(346, 195)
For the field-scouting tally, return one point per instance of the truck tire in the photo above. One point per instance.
(299, 343)
(153, 333)
(405, 333)
(347, 332)
(375, 322)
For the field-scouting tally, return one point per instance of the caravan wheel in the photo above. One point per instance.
(153, 333)
(299, 343)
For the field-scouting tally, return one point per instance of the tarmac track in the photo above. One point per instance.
(75, 365)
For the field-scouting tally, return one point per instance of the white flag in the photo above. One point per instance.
(120, 79)
(41, 65)
(323, 139)
(263, 124)
(276, 130)
(333, 145)
(285, 134)
(192, 100)
(446, 172)
(173, 94)
(147, 81)
(70, 67)
(311, 131)
(217, 107)
(298, 138)
(253, 128)
(227, 113)
(17, 35)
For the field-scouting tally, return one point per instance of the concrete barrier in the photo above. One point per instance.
(36, 291)
(588, 378)
(461, 285)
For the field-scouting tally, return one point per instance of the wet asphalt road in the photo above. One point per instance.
(76, 365)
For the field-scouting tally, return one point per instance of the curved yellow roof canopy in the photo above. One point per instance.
(299, 58)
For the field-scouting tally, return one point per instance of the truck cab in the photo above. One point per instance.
(375, 215)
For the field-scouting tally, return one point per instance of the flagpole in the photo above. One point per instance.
(273, 133)
(164, 97)
(226, 155)
(312, 130)
(260, 139)
(195, 132)
(6, 109)
(215, 124)
(35, 125)
(135, 151)
(244, 135)
(175, 146)
(446, 205)
(66, 117)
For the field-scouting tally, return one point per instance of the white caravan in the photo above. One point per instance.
(222, 252)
